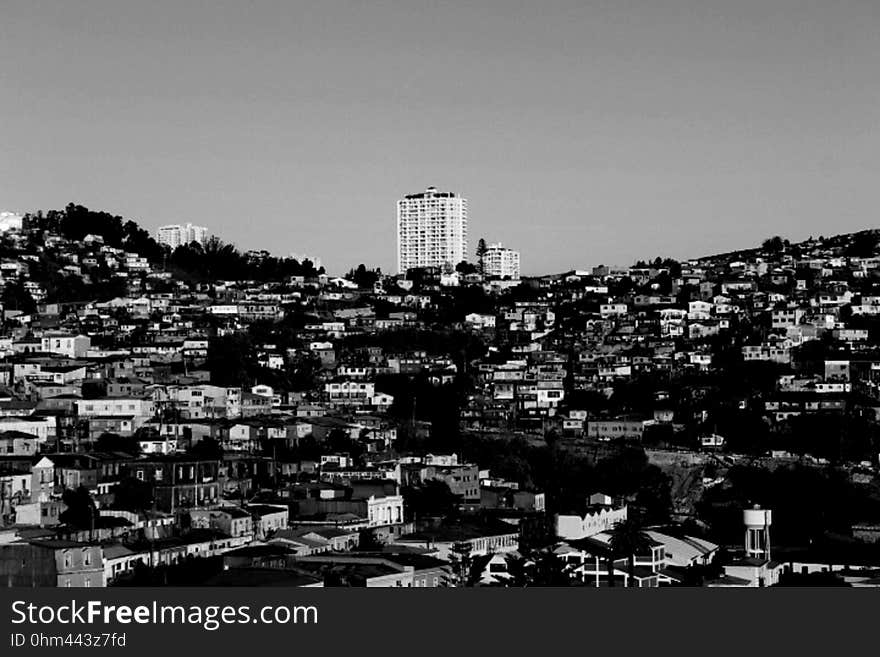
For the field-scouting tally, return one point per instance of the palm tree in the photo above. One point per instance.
(548, 569)
(610, 556)
(627, 538)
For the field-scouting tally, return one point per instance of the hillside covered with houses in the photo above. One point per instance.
(207, 416)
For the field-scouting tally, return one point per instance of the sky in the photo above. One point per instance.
(580, 132)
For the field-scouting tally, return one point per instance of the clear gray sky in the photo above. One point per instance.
(580, 132)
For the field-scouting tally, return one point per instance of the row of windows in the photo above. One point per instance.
(91, 407)
(86, 558)
(482, 544)
(87, 582)
(424, 582)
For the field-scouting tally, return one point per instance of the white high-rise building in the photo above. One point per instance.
(501, 262)
(431, 230)
(176, 234)
(10, 221)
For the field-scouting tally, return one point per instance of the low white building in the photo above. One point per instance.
(599, 516)
(385, 510)
(116, 406)
(72, 346)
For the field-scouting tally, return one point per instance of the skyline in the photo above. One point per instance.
(586, 135)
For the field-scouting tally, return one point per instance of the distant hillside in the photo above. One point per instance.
(210, 261)
(861, 244)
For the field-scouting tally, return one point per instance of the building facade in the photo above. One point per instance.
(431, 230)
(11, 221)
(51, 563)
(178, 234)
(501, 262)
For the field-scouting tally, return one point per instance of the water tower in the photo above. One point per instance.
(757, 522)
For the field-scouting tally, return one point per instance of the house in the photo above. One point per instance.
(684, 551)
(268, 518)
(749, 572)
(503, 497)
(39, 513)
(599, 514)
(622, 428)
(42, 428)
(229, 520)
(51, 563)
(587, 560)
(179, 482)
(72, 346)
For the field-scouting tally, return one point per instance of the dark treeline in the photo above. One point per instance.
(217, 260)
(363, 277)
(808, 503)
(213, 260)
(570, 478)
(75, 222)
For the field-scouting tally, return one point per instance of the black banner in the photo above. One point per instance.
(470, 621)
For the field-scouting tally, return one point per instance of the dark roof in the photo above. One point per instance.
(268, 550)
(331, 532)
(404, 558)
(262, 577)
(265, 509)
(676, 573)
(17, 434)
(752, 562)
(234, 512)
(728, 580)
(57, 543)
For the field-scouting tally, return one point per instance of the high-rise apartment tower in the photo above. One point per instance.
(431, 230)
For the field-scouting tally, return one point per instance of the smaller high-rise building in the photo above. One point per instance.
(175, 235)
(501, 262)
(11, 221)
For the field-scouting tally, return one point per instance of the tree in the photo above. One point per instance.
(111, 442)
(339, 441)
(80, 511)
(133, 495)
(862, 245)
(432, 498)
(231, 360)
(654, 495)
(627, 538)
(207, 447)
(547, 569)
(773, 244)
(520, 571)
(365, 278)
(465, 268)
(481, 256)
(368, 542)
(16, 297)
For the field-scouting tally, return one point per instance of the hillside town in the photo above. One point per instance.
(176, 412)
